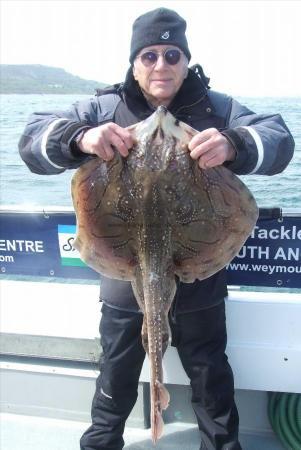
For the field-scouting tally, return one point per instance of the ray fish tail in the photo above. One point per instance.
(158, 290)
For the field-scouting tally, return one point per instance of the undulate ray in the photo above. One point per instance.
(154, 215)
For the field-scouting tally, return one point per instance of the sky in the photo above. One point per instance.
(247, 48)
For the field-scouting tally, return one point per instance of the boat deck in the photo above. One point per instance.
(20, 432)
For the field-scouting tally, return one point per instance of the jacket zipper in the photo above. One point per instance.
(193, 104)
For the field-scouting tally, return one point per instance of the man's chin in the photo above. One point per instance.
(162, 96)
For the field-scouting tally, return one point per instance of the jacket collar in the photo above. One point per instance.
(192, 91)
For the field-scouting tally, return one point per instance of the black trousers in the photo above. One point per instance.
(200, 338)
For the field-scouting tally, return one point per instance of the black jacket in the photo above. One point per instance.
(263, 144)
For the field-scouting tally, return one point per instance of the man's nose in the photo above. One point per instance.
(160, 63)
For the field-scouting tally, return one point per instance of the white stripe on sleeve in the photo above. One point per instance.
(44, 142)
(259, 145)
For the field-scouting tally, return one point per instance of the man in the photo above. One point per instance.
(229, 134)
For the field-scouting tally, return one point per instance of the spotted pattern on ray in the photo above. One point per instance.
(154, 215)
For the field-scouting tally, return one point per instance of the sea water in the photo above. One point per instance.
(21, 187)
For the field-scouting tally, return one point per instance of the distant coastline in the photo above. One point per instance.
(39, 79)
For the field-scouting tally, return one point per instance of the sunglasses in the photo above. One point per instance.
(150, 58)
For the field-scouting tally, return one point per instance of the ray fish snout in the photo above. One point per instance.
(162, 110)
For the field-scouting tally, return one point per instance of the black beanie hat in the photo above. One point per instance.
(161, 26)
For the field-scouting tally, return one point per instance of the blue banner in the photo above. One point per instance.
(271, 256)
(40, 244)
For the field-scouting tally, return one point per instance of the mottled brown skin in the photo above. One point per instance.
(155, 214)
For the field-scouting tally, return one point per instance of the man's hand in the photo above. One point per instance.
(100, 140)
(211, 148)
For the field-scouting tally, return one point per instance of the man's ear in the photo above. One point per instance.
(134, 72)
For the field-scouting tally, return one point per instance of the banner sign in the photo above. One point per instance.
(40, 244)
(271, 256)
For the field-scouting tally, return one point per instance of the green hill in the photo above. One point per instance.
(38, 79)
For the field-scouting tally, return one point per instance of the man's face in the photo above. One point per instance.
(160, 81)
